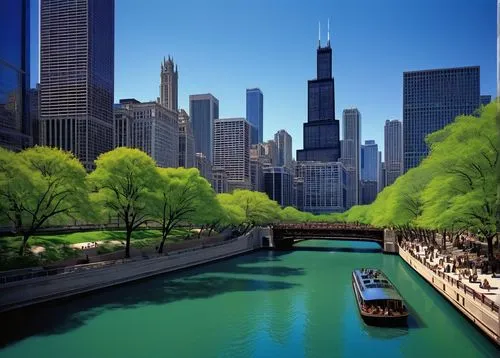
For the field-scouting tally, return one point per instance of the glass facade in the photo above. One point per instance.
(431, 100)
(15, 120)
(321, 132)
(203, 110)
(255, 114)
(369, 161)
(77, 76)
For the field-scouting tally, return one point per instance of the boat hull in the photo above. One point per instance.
(379, 320)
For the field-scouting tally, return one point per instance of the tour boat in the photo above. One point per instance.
(379, 303)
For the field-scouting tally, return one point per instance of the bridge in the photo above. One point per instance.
(284, 235)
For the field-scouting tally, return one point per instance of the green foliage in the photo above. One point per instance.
(292, 215)
(250, 208)
(41, 184)
(454, 188)
(182, 195)
(123, 184)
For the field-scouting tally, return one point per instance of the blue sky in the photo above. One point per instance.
(224, 47)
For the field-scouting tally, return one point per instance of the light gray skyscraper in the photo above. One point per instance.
(431, 100)
(232, 150)
(351, 152)
(255, 114)
(169, 85)
(283, 142)
(186, 141)
(150, 127)
(77, 76)
(370, 158)
(393, 150)
(203, 109)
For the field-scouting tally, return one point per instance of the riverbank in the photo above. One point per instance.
(476, 306)
(45, 289)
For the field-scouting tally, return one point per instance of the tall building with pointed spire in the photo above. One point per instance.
(321, 132)
(169, 84)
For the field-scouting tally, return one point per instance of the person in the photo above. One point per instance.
(485, 285)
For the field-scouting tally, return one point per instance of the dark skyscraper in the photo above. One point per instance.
(203, 109)
(321, 132)
(255, 114)
(15, 121)
(431, 100)
(77, 76)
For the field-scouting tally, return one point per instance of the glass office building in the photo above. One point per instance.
(203, 110)
(255, 114)
(431, 100)
(15, 121)
(77, 76)
(321, 132)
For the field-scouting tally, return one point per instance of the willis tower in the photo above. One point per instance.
(321, 132)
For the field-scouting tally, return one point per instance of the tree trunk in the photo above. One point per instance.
(22, 249)
(127, 242)
(164, 235)
(489, 240)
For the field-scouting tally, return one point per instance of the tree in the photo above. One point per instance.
(292, 215)
(257, 208)
(181, 195)
(122, 184)
(39, 185)
(463, 194)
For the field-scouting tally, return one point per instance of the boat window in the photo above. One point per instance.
(366, 281)
(364, 276)
(384, 281)
(376, 280)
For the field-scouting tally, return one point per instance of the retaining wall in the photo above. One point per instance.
(485, 316)
(50, 288)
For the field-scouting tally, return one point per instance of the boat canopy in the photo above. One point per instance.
(375, 285)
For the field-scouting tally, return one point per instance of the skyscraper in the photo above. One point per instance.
(15, 120)
(331, 178)
(370, 158)
(77, 76)
(255, 114)
(169, 85)
(393, 150)
(203, 110)
(283, 142)
(321, 132)
(278, 185)
(431, 100)
(351, 152)
(232, 150)
(186, 141)
(150, 127)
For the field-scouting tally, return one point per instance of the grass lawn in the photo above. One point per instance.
(57, 246)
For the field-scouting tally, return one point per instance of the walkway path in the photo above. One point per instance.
(493, 294)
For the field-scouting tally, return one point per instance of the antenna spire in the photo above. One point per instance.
(319, 33)
(328, 42)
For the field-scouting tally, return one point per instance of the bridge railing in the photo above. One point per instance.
(332, 226)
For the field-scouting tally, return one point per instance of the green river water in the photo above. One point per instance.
(265, 304)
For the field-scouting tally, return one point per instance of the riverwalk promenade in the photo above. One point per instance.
(480, 305)
(41, 289)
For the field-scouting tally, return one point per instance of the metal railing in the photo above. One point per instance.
(38, 272)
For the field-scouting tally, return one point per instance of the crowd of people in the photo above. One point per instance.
(463, 264)
(377, 310)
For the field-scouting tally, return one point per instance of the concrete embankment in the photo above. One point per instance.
(60, 286)
(483, 314)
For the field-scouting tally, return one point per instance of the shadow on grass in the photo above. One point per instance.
(197, 283)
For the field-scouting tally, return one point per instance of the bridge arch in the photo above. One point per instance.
(284, 235)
